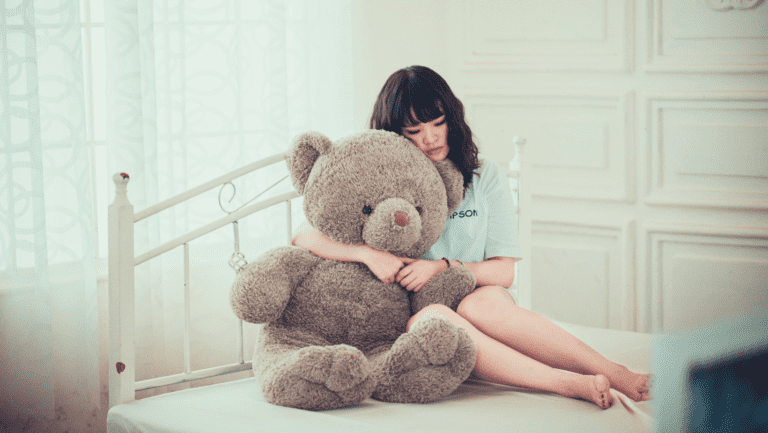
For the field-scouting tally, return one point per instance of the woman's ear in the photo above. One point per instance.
(304, 151)
(454, 183)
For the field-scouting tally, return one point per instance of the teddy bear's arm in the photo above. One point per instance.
(263, 288)
(446, 288)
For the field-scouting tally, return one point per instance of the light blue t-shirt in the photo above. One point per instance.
(485, 223)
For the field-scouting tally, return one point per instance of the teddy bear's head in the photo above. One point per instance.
(374, 187)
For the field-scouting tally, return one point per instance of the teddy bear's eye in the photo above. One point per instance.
(367, 210)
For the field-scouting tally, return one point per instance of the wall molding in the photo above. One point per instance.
(590, 236)
(716, 190)
(656, 236)
(705, 39)
(609, 51)
(602, 169)
(727, 5)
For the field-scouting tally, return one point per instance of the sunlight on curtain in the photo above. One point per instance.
(196, 89)
(177, 93)
(48, 302)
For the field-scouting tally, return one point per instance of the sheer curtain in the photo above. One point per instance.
(181, 92)
(48, 303)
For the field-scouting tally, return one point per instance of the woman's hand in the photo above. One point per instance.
(383, 264)
(417, 274)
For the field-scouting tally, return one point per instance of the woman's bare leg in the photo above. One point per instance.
(493, 311)
(499, 363)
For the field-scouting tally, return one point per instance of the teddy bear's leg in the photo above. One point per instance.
(447, 288)
(313, 377)
(425, 364)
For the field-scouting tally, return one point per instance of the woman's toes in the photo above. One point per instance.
(638, 389)
(646, 393)
(644, 387)
(603, 388)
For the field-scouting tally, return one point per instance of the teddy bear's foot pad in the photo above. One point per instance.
(321, 378)
(427, 363)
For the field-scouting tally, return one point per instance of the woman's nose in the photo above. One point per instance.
(429, 136)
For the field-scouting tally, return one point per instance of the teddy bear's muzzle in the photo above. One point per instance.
(394, 225)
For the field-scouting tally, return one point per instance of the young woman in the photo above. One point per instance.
(514, 346)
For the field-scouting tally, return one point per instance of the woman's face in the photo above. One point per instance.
(431, 138)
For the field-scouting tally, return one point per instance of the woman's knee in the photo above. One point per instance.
(436, 310)
(484, 299)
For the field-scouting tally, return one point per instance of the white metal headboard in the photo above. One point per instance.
(122, 342)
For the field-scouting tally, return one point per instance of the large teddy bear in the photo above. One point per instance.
(335, 334)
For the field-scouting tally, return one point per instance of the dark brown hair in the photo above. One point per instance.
(422, 90)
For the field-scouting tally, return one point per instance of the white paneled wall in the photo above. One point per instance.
(551, 35)
(701, 273)
(707, 36)
(647, 128)
(584, 272)
(708, 149)
(583, 142)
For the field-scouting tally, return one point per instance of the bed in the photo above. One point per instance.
(237, 405)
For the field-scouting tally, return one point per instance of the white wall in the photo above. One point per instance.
(647, 126)
(390, 35)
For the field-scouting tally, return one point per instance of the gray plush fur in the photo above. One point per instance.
(335, 334)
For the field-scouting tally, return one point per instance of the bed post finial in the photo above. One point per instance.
(519, 143)
(121, 188)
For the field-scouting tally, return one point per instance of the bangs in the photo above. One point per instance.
(417, 100)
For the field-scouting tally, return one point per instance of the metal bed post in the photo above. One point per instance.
(187, 320)
(122, 351)
(237, 262)
(524, 280)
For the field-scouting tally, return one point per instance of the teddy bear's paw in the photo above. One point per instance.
(445, 344)
(438, 338)
(349, 367)
(321, 378)
(427, 363)
(291, 391)
(446, 288)
(339, 367)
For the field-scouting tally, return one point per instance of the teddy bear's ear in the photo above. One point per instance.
(302, 155)
(454, 183)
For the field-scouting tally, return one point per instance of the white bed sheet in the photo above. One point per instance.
(238, 406)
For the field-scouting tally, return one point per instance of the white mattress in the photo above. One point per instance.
(238, 406)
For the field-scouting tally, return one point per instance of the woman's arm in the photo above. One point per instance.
(383, 264)
(496, 271)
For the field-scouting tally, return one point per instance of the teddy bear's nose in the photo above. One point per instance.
(401, 219)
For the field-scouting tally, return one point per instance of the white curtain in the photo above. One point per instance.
(48, 303)
(193, 89)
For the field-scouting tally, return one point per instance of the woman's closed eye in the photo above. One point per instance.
(416, 131)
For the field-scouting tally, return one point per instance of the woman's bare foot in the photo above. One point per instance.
(596, 389)
(634, 385)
